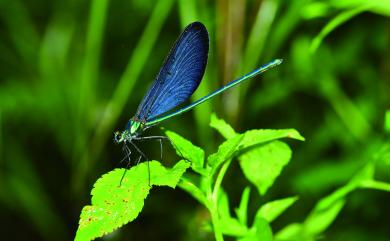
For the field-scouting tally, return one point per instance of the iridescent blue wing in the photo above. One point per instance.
(180, 74)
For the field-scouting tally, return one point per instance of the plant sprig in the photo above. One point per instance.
(262, 157)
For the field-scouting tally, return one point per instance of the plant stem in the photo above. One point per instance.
(375, 185)
(215, 221)
(212, 197)
(212, 206)
(219, 179)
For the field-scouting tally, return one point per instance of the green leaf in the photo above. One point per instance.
(315, 10)
(335, 22)
(260, 231)
(231, 226)
(292, 231)
(263, 164)
(327, 209)
(319, 220)
(225, 152)
(271, 210)
(222, 127)
(264, 172)
(376, 6)
(382, 157)
(387, 121)
(187, 150)
(242, 210)
(366, 173)
(223, 204)
(115, 204)
(363, 175)
(255, 137)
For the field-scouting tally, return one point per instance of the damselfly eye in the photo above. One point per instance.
(117, 135)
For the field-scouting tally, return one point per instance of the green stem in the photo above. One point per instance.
(215, 221)
(375, 185)
(193, 190)
(212, 197)
(212, 203)
(219, 179)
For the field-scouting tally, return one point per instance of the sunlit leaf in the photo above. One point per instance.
(260, 231)
(315, 10)
(254, 137)
(116, 203)
(317, 222)
(225, 152)
(242, 210)
(222, 127)
(375, 6)
(231, 226)
(263, 164)
(223, 204)
(271, 210)
(188, 151)
(292, 231)
(321, 218)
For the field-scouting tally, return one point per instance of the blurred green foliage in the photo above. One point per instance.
(72, 72)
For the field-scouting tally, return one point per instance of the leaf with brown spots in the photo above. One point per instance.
(115, 204)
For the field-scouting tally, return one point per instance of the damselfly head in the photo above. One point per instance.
(123, 136)
(117, 137)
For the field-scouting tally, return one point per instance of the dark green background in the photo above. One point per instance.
(73, 72)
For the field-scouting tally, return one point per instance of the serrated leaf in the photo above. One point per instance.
(255, 137)
(222, 127)
(263, 164)
(115, 204)
(260, 231)
(271, 210)
(225, 152)
(242, 210)
(167, 176)
(187, 150)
